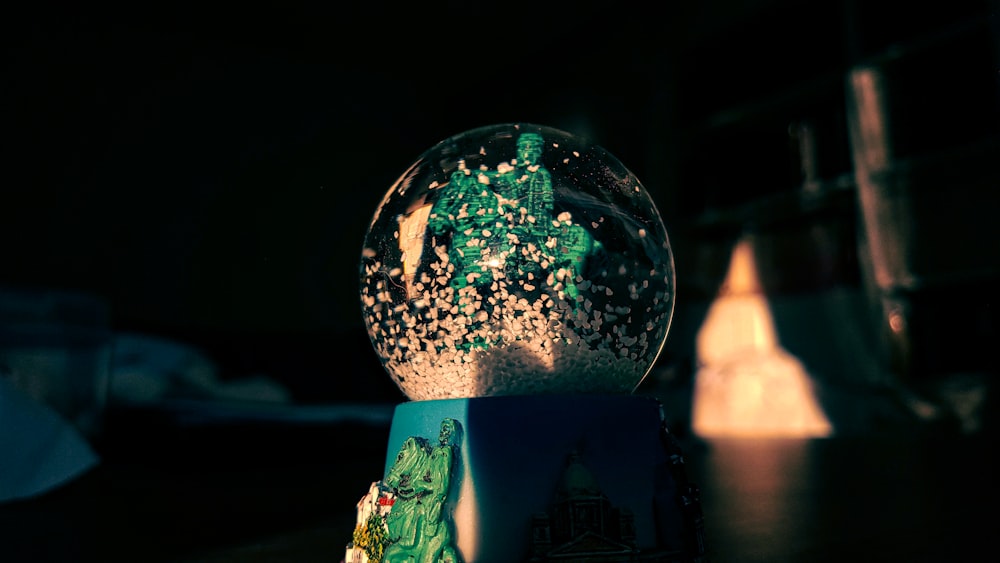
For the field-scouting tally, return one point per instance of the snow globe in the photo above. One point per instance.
(517, 284)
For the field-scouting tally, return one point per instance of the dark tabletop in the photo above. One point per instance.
(287, 492)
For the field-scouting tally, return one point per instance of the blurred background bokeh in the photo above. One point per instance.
(202, 179)
(210, 174)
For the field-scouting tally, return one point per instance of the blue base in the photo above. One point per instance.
(512, 461)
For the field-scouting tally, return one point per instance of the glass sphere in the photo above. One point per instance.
(516, 259)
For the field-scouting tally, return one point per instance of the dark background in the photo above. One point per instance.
(211, 171)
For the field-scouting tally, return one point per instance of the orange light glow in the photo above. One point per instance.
(747, 384)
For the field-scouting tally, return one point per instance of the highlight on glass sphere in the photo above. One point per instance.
(516, 259)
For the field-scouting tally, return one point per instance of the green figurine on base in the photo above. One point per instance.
(404, 518)
(419, 530)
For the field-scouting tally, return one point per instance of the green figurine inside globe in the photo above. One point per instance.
(516, 259)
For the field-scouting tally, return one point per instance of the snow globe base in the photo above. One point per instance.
(530, 478)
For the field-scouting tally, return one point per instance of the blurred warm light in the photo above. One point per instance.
(897, 322)
(867, 83)
(885, 209)
(746, 384)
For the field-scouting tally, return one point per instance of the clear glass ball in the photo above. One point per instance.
(516, 259)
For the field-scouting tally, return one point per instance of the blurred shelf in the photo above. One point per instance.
(835, 195)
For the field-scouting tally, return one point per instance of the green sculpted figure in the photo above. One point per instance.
(419, 530)
(501, 225)
(469, 213)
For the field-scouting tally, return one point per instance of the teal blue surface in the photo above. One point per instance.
(514, 450)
